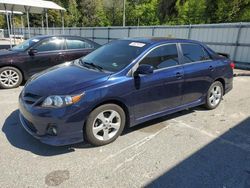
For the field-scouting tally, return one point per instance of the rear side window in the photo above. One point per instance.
(162, 57)
(193, 53)
(50, 45)
(77, 44)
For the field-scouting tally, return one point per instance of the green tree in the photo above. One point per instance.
(142, 12)
(166, 10)
(92, 13)
(191, 11)
(2, 21)
(114, 11)
(232, 11)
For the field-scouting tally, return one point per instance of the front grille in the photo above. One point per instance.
(30, 98)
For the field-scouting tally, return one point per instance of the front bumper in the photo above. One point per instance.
(69, 123)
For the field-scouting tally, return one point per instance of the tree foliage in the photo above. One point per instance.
(141, 12)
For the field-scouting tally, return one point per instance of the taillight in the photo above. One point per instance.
(232, 65)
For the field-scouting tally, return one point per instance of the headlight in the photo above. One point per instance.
(57, 101)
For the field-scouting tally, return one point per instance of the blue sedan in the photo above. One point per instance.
(123, 83)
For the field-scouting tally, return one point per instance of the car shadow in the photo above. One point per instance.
(154, 122)
(19, 138)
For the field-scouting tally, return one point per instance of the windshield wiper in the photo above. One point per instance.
(92, 65)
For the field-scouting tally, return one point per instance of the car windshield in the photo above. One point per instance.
(26, 44)
(116, 55)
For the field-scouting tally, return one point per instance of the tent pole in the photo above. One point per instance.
(28, 21)
(8, 24)
(47, 25)
(13, 27)
(62, 15)
(10, 20)
(22, 26)
(42, 24)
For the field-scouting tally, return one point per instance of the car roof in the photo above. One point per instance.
(156, 40)
(48, 36)
(41, 37)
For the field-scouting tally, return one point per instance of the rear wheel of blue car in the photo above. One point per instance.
(214, 95)
(105, 124)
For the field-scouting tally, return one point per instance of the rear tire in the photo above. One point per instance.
(104, 124)
(214, 95)
(10, 77)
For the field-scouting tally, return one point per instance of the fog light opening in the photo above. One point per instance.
(52, 129)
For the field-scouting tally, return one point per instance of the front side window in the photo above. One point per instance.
(77, 44)
(193, 53)
(50, 45)
(162, 57)
(26, 44)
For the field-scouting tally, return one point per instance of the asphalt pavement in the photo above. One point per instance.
(192, 148)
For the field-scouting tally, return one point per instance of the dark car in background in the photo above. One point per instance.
(125, 82)
(39, 53)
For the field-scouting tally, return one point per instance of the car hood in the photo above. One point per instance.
(63, 80)
(7, 52)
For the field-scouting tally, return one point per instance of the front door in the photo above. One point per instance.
(161, 90)
(49, 53)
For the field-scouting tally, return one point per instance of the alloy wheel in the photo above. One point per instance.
(9, 78)
(106, 125)
(215, 95)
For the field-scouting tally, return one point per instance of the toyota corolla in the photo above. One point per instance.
(123, 83)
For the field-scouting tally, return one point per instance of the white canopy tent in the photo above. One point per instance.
(30, 6)
(12, 13)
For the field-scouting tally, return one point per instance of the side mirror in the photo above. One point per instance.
(144, 69)
(32, 51)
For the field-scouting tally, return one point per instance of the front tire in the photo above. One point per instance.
(104, 124)
(214, 95)
(10, 77)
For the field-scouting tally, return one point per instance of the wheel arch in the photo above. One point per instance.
(222, 81)
(18, 68)
(118, 103)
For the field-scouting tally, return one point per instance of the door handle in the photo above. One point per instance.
(179, 75)
(211, 68)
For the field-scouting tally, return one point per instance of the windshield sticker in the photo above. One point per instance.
(35, 40)
(137, 44)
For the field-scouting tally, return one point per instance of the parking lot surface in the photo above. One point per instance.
(192, 148)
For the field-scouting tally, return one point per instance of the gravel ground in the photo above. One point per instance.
(192, 148)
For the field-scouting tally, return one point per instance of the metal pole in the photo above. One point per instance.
(237, 42)
(8, 25)
(47, 24)
(22, 27)
(42, 24)
(189, 31)
(124, 13)
(13, 29)
(28, 19)
(10, 18)
(62, 15)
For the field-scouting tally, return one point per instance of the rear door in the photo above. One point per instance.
(49, 53)
(76, 48)
(198, 72)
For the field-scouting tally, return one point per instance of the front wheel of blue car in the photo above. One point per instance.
(104, 124)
